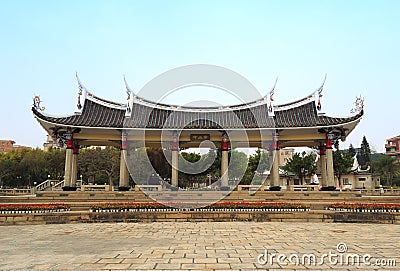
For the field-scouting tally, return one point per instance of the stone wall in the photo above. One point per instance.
(196, 216)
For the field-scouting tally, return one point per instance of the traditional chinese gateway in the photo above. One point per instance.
(99, 122)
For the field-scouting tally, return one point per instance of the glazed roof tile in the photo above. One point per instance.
(99, 115)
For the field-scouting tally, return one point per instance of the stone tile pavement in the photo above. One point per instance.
(200, 246)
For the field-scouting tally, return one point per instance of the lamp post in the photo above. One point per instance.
(18, 180)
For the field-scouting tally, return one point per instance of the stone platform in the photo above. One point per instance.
(81, 201)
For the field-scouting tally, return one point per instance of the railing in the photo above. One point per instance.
(58, 185)
(44, 185)
(148, 187)
(16, 191)
(49, 185)
(95, 187)
(379, 192)
(252, 188)
(299, 187)
(390, 144)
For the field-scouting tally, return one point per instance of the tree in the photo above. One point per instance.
(109, 163)
(139, 165)
(351, 151)
(11, 169)
(237, 165)
(99, 165)
(159, 161)
(364, 157)
(55, 163)
(33, 166)
(258, 163)
(7, 167)
(389, 168)
(301, 164)
(342, 162)
(190, 165)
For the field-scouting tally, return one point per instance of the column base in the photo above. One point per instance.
(328, 188)
(124, 188)
(69, 188)
(275, 188)
(224, 188)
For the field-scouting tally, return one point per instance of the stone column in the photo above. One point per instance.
(322, 158)
(74, 165)
(175, 155)
(123, 168)
(275, 185)
(224, 160)
(330, 177)
(68, 162)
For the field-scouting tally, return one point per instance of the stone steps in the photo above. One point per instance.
(81, 201)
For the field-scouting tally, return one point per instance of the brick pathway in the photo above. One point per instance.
(194, 246)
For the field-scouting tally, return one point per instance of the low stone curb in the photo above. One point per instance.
(196, 216)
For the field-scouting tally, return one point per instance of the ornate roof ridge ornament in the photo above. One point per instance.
(129, 100)
(270, 99)
(81, 95)
(318, 96)
(358, 105)
(36, 103)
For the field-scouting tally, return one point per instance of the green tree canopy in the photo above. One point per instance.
(388, 167)
(237, 165)
(258, 163)
(364, 157)
(342, 162)
(99, 165)
(351, 151)
(301, 164)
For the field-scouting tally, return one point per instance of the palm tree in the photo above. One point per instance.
(387, 166)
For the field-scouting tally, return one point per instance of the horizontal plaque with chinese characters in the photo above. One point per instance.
(199, 137)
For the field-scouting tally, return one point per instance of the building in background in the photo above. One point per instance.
(7, 145)
(50, 143)
(358, 178)
(392, 147)
(285, 155)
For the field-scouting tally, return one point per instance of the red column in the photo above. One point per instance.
(74, 165)
(70, 140)
(275, 180)
(68, 161)
(322, 157)
(123, 168)
(330, 177)
(224, 159)
(328, 142)
(175, 142)
(224, 142)
(175, 154)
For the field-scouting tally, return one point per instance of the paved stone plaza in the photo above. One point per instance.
(195, 246)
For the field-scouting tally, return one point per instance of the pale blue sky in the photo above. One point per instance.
(356, 43)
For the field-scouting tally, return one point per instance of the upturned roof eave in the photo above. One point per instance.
(59, 124)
